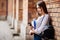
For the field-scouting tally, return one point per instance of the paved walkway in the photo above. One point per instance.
(5, 33)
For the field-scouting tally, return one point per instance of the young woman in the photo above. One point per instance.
(40, 23)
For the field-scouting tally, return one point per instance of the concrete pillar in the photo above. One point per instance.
(25, 20)
(10, 11)
(13, 16)
(17, 12)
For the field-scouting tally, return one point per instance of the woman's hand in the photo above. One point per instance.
(31, 32)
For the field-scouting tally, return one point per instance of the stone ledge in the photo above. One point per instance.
(2, 17)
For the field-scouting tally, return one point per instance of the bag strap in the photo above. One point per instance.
(42, 19)
(40, 24)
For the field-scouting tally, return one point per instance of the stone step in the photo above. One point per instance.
(2, 17)
(16, 34)
(16, 38)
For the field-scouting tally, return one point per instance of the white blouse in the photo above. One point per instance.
(41, 26)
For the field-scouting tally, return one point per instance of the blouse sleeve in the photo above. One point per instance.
(44, 22)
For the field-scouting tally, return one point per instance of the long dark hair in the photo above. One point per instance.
(43, 5)
(51, 30)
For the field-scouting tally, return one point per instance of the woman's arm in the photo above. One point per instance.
(44, 22)
(30, 26)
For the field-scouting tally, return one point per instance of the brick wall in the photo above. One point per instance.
(20, 10)
(31, 13)
(2, 9)
(54, 11)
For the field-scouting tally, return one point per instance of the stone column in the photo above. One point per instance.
(17, 12)
(10, 11)
(25, 20)
(13, 16)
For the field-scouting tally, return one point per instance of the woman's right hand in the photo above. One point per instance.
(31, 32)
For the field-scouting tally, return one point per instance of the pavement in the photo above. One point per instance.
(5, 33)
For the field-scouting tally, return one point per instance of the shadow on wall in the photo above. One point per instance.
(49, 34)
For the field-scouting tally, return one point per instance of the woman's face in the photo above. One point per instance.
(39, 10)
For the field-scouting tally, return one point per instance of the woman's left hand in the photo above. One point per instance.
(31, 32)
